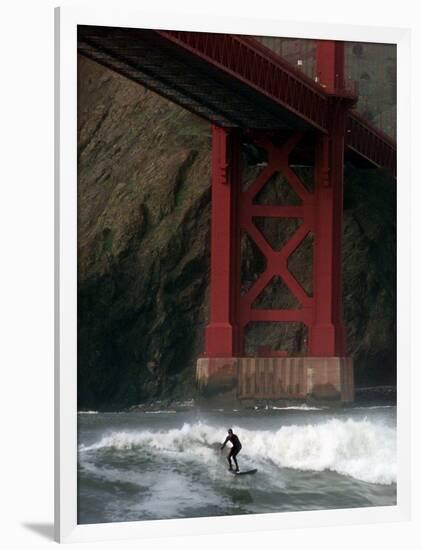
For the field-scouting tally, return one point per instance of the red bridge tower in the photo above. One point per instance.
(324, 371)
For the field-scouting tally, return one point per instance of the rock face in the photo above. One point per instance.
(143, 251)
(369, 262)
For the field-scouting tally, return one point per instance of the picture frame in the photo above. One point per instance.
(66, 526)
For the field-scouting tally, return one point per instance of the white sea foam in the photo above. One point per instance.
(362, 449)
(160, 412)
(87, 412)
(375, 407)
(303, 407)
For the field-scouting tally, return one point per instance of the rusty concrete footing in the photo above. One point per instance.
(273, 378)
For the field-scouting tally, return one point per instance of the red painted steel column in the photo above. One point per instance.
(327, 332)
(337, 178)
(222, 334)
(330, 64)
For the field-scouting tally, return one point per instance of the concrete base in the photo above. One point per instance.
(271, 378)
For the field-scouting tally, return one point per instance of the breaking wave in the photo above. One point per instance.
(302, 407)
(362, 449)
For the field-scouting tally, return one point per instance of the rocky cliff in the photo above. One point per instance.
(143, 251)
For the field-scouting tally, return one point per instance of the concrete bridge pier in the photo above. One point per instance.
(328, 379)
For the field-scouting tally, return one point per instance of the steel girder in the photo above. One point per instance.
(256, 88)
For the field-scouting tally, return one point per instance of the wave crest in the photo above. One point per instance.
(362, 449)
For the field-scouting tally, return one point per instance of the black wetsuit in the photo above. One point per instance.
(235, 449)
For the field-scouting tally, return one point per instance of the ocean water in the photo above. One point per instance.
(168, 464)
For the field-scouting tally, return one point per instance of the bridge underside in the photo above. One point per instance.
(147, 58)
(206, 87)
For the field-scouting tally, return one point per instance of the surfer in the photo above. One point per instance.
(235, 449)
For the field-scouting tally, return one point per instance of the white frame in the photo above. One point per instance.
(66, 21)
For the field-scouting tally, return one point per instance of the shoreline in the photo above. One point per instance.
(374, 396)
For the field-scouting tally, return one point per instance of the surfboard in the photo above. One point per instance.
(244, 473)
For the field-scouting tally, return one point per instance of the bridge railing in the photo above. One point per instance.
(364, 79)
(260, 68)
(370, 142)
(301, 55)
(265, 70)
